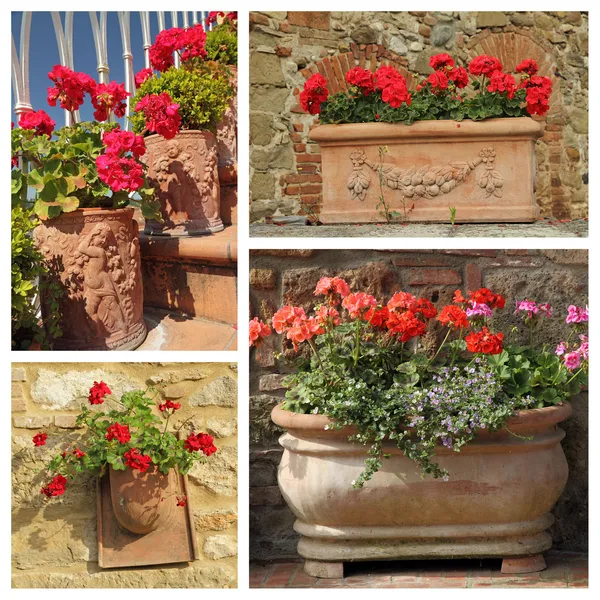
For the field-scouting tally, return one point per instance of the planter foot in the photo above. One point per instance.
(324, 570)
(523, 564)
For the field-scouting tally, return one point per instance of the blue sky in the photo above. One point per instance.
(43, 54)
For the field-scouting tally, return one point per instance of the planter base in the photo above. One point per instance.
(131, 341)
(183, 230)
(327, 548)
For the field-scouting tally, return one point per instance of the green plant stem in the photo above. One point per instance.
(316, 351)
(357, 342)
(441, 346)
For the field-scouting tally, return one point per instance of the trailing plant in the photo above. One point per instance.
(198, 91)
(367, 367)
(383, 96)
(27, 267)
(129, 435)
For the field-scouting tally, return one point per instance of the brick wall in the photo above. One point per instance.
(54, 544)
(287, 47)
(280, 277)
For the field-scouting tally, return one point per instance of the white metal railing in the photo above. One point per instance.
(64, 39)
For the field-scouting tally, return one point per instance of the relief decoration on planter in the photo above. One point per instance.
(427, 181)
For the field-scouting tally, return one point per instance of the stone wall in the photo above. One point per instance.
(287, 47)
(289, 276)
(54, 543)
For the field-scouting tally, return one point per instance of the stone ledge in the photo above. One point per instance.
(218, 248)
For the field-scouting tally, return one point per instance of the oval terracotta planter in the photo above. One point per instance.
(484, 169)
(94, 255)
(496, 503)
(184, 172)
(137, 498)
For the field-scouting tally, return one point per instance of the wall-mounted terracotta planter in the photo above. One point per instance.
(184, 172)
(485, 169)
(94, 254)
(496, 503)
(137, 499)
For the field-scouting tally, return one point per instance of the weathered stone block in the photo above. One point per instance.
(217, 520)
(220, 546)
(491, 19)
(262, 279)
(262, 430)
(24, 422)
(219, 474)
(18, 374)
(272, 382)
(265, 69)
(268, 99)
(261, 129)
(220, 392)
(262, 187)
(312, 19)
(65, 421)
(221, 428)
(186, 374)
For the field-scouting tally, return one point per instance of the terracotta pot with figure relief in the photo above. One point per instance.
(94, 256)
(483, 170)
(184, 172)
(497, 501)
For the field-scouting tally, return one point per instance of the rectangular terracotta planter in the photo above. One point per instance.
(485, 169)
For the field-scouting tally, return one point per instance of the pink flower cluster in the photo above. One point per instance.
(39, 121)
(577, 314)
(161, 114)
(188, 43)
(334, 288)
(298, 328)
(574, 357)
(258, 331)
(533, 309)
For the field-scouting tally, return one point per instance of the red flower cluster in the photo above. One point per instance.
(484, 341)
(119, 142)
(39, 120)
(214, 15)
(454, 316)
(56, 487)
(441, 61)
(482, 296)
(314, 94)
(258, 331)
(39, 439)
(438, 80)
(392, 85)
(444, 73)
(406, 325)
(119, 432)
(502, 82)
(69, 88)
(327, 316)
(97, 392)
(142, 76)
(161, 114)
(77, 453)
(137, 461)
(181, 501)
(334, 288)
(109, 98)
(528, 66)
(362, 79)
(169, 405)
(200, 442)
(189, 43)
(484, 65)
(357, 304)
(538, 90)
(459, 76)
(407, 315)
(292, 321)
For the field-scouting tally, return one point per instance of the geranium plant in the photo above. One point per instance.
(83, 165)
(130, 436)
(383, 96)
(221, 40)
(366, 365)
(198, 91)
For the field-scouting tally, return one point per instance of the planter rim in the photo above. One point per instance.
(181, 132)
(90, 211)
(507, 127)
(535, 417)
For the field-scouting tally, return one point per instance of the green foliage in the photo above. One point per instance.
(221, 44)
(149, 435)
(27, 267)
(354, 107)
(202, 90)
(61, 172)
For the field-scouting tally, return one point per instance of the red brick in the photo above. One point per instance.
(308, 158)
(299, 147)
(303, 178)
(307, 168)
(282, 51)
(312, 189)
(434, 277)
(298, 126)
(286, 27)
(296, 137)
(292, 190)
(473, 279)
(256, 18)
(316, 20)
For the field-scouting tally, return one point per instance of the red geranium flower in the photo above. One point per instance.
(287, 316)
(406, 325)
(200, 442)
(142, 76)
(486, 296)
(258, 331)
(119, 142)
(137, 461)
(459, 76)
(356, 304)
(304, 330)
(424, 307)
(396, 93)
(502, 82)
(361, 78)
(484, 341)
(97, 392)
(332, 287)
(78, 453)
(438, 80)
(39, 439)
(120, 173)
(528, 66)
(402, 301)
(119, 432)
(165, 44)
(70, 87)
(161, 114)
(39, 120)
(314, 94)
(56, 487)
(109, 98)
(377, 318)
(192, 42)
(538, 90)
(453, 315)
(484, 65)
(181, 501)
(440, 61)
(169, 405)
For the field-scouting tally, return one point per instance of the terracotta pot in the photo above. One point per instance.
(137, 498)
(184, 172)
(496, 503)
(94, 254)
(485, 169)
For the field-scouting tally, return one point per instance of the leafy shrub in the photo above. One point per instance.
(202, 91)
(221, 45)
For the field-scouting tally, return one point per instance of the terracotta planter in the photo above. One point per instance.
(496, 503)
(184, 172)
(94, 254)
(486, 170)
(136, 499)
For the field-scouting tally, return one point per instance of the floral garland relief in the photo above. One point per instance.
(427, 181)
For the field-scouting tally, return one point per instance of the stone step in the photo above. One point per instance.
(193, 276)
(174, 331)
